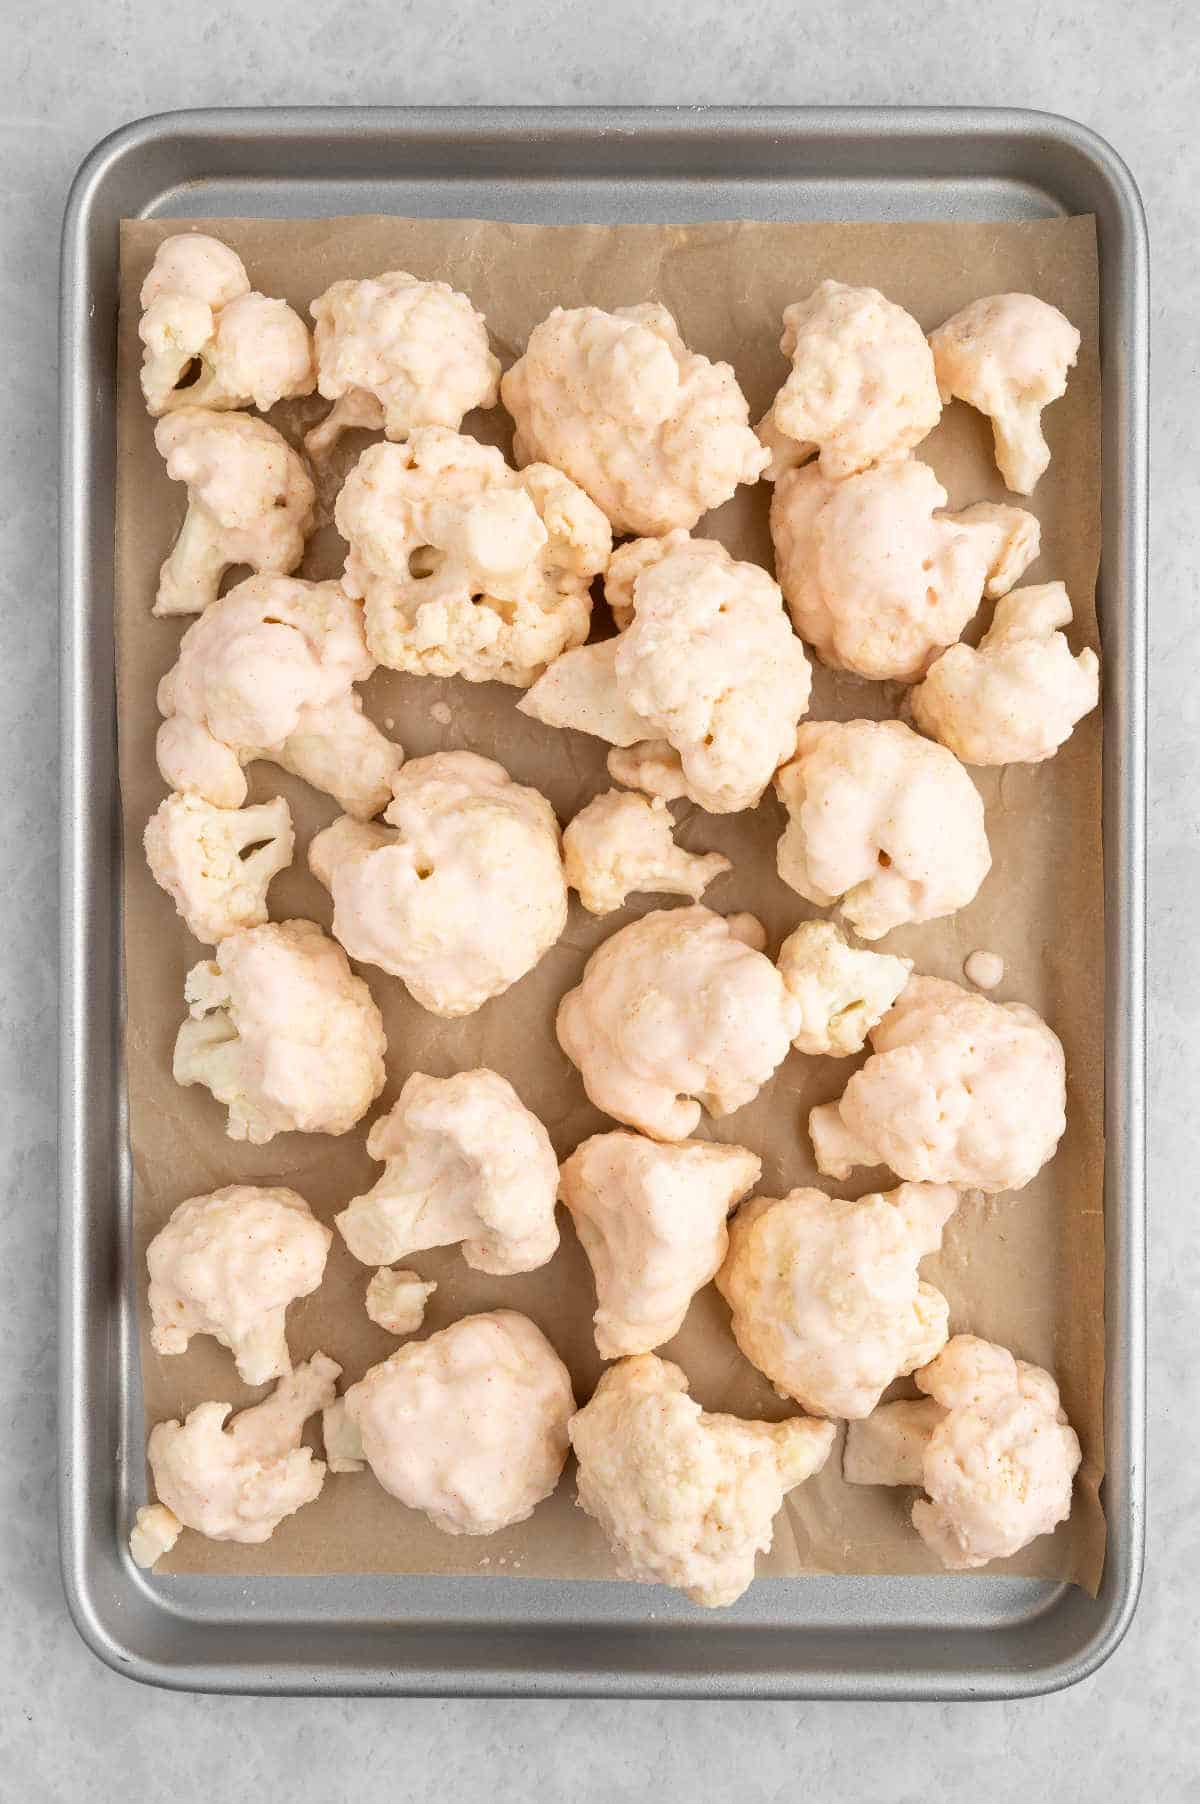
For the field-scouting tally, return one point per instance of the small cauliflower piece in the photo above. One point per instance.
(676, 1006)
(1008, 355)
(651, 1219)
(654, 433)
(469, 1426)
(652, 766)
(960, 1090)
(984, 969)
(238, 1483)
(876, 579)
(825, 1294)
(1017, 698)
(685, 1498)
(341, 1439)
(396, 352)
(268, 672)
(466, 1161)
(878, 826)
(216, 864)
(396, 1300)
(282, 1031)
(862, 388)
(467, 567)
(888, 1446)
(198, 311)
(842, 990)
(250, 501)
(621, 844)
(154, 1533)
(228, 1264)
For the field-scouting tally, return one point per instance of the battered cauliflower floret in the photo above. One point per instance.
(825, 1294)
(656, 434)
(1016, 699)
(282, 1031)
(467, 567)
(685, 1498)
(465, 1161)
(238, 1483)
(878, 826)
(651, 1219)
(396, 1300)
(462, 896)
(198, 312)
(216, 864)
(875, 579)
(677, 1005)
(228, 1264)
(155, 1532)
(268, 672)
(862, 388)
(250, 501)
(842, 990)
(960, 1090)
(396, 352)
(623, 843)
(1008, 355)
(469, 1426)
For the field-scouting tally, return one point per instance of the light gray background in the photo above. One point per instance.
(68, 1728)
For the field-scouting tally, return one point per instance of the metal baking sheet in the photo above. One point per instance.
(812, 1637)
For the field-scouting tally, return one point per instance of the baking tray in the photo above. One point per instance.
(789, 1638)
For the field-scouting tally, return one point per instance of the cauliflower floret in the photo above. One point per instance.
(466, 1161)
(470, 1425)
(623, 843)
(656, 434)
(399, 353)
(396, 1300)
(960, 1090)
(250, 501)
(155, 1532)
(198, 309)
(842, 990)
(1016, 699)
(216, 864)
(675, 1006)
(282, 1031)
(825, 1296)
(862, 388)
(268, 672)
(467, 567)
(228, 1264)
(685, 1498)
(238, 1483)
(878, 825)
(875, 580)
(463, 897)
(651, 1219)
(1008, 355)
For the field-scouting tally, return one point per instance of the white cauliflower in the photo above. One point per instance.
(825, 1295)
(656, 434)
(1016, 699)
(876, 580)
(396, 1300)
(155, 1532)
(960, 1090)
(842, 990)
(200, 316)
(1008, 355)
(282, 1031)
(879, 826)
(467, 567)
(677, 1005)
(862, 388)
(216, 864)
(396, 352)
(685, 1498)
(623, 843)
(651, 1219)
(470, 1425)
(268, 672)
(462, 895)
(228, 1264)
(465, 1161)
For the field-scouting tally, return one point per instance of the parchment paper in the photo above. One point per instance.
(1026, 1270)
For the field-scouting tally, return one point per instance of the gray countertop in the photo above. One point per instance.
(69, 1728)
